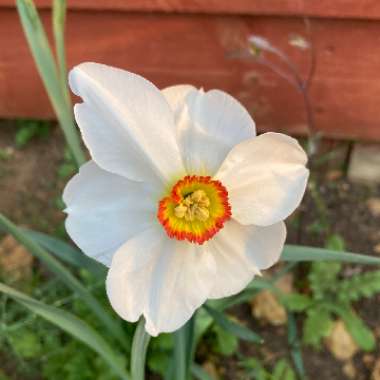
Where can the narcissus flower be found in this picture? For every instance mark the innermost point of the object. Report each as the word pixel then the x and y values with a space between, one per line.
pixel 181 200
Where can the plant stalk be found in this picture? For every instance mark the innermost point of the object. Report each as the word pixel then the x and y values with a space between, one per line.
pixel 139 349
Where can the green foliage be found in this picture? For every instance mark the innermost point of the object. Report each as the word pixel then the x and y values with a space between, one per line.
pixel 53 77
pixel 331 296
pixel 25 342
pixel 224 342
pixel 256 371
pixel 362 335
pixel 159 353
pixel 317 325
pixel 359 286
pixel 28 129
pixel 296 302
pixel 68 167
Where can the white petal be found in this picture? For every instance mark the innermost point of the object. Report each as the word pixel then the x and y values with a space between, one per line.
pixel 176 95
pixel 265 177
pixel 209 125
pixel 105 210
pixel 240 252
pixel 174 280
pixel 126 123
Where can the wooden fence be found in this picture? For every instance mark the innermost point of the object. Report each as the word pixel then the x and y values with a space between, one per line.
pixel 191 41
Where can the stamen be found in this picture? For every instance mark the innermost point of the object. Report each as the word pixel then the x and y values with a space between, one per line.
pixel 195 210
pixel 194 206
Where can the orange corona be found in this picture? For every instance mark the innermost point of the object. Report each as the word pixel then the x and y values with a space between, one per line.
pixel 195 210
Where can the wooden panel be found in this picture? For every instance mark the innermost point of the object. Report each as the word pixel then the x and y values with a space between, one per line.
pixel 366 9
pixel 170 49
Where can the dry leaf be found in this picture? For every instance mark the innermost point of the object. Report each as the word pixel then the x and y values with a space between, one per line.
pixel 368 360
pixel 211 370
pixel 15 261
pixel 376 371
pixel 374 206
pixel 266 307
pixel 376 248
pixel 340 342
pixel 349 370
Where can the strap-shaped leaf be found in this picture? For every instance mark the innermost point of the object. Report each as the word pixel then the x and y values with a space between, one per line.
pixel 71 324
pixel 234 328
pixel 67 253
pixel 303 253
pixel 44 59
pixel 65 275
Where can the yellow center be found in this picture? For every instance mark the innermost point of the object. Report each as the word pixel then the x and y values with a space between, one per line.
pixel 195 209
pixel 195 206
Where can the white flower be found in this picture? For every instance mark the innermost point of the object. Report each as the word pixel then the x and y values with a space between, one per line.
pixel 180 199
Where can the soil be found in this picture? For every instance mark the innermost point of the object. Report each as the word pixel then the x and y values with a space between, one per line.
pixel 30 186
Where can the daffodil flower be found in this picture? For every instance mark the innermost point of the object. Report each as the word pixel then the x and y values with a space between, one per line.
pixel 181 200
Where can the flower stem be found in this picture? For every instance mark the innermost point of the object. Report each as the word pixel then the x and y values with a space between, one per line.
pixel 184 350
pixel 139 348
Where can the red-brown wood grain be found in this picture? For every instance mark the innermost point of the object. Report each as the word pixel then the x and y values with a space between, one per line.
pixel 363 9
pixel 194 48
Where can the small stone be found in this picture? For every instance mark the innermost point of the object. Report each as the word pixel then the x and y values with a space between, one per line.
pixel 374 206
pixel 365 163
pixel 376 371
pixel 267 308
pixel 376 248
pixel 368 360
pixel 349 370
pixel 15 261
pixel 340 342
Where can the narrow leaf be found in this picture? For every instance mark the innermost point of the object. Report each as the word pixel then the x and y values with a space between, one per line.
pixel 55 266
pixel 361 334
pixel 67 253
pixel 234 328
pixel 199 373
pixel 44 59
pixel 303 253
pixel 71 324
pixel 59 17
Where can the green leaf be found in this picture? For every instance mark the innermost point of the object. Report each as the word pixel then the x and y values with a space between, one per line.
pixel 283 371
pixel 55 266
pixel 335 242
pixel 47 69
pixel 323 278
pixel 359 286
pixel 67 253
pixel 296 302
pixel 25 342
pixel 71 324
pixel 59 18
pixel 361 334
pixel 139 348
pixel 317 325
pixel 303 253
pixel 295 346
pixel 225 343
pixel 199 373
pixel 234 328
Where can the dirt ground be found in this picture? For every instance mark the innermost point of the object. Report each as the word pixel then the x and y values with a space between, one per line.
pixel 30 185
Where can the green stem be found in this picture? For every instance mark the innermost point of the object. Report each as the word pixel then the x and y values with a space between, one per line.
pixel 139 348
pixel 184 350
pixel 180 354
